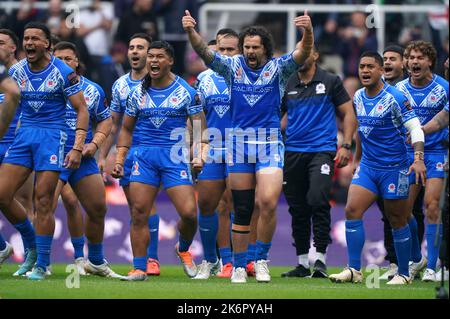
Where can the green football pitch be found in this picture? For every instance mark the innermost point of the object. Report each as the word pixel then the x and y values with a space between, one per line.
pixel 173 284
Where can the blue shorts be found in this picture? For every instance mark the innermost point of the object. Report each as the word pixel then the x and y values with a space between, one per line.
pixel 88 166
pixel 125 180
pixel 3 149
pixel 153 166
pixel 389 184
pixel 39 149
pixel 434 162
pixel 250 158
pixel 215 167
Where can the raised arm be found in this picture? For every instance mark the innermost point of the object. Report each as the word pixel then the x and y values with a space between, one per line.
pixel 196 39
pixel 304 47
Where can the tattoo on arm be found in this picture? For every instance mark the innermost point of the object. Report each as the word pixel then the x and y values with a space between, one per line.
pixel 442 119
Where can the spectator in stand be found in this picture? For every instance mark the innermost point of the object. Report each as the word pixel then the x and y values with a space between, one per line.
pixel 54 16
pixel 173 11
pixel 140 18
pixel 356 39
pixel 95 28
pixel 26 13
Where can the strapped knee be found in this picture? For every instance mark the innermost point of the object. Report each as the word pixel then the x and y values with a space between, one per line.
pixel 244 203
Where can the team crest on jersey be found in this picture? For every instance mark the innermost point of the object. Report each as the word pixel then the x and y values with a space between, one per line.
pixel 183 174
pixel 391 188
pixel 23 84
pixel 174 99
pixel 50 84
pixel 135 171
pixel 221 109
pixel 365 130
pixel 53 159
pixel 439 166
pixel 252 99
pixel 157 121
pixel 320 88
pixel 238 75
pixel 266 74
pixel 35 105
pixel 432 98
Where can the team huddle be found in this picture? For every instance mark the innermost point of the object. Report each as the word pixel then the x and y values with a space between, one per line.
pixel 214 148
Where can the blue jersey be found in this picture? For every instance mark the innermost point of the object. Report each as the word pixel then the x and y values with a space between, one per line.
pixel 380 128
pixel 161 113
pixel 44 93
pixel 255 94
pixel 121 91
pixel 97 107
pixel 427 102
pixel 214 93
pixel 8 138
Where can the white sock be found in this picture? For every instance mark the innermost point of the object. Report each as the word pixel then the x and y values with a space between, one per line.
pixel 303 260
pixel 321 257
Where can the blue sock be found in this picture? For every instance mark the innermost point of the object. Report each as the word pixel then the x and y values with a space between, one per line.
pixel 226 255
pixel 240 260
pixel 251 253
pixel 402 244
pixel 140 263
pixel 432 247
pixel 153 226
pixel 208 226
pixel 262 250
pixel 26 230
pixel 183 244
pixel 355 236
pixel 78 245
pixel 416 252
pixel 95 253
pixel 2 243
pixel 43 248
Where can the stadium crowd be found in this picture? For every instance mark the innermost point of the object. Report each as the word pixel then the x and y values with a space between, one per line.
pixel 110 95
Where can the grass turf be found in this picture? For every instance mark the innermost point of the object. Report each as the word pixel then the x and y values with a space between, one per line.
pixel 173 284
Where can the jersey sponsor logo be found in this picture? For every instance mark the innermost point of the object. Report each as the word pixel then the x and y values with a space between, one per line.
pixel 391 188
pixel 320 88
pixel 135 171
pixel 325 169
pixel 53 159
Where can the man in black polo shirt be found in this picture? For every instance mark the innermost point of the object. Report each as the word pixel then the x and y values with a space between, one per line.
pixel 312 99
